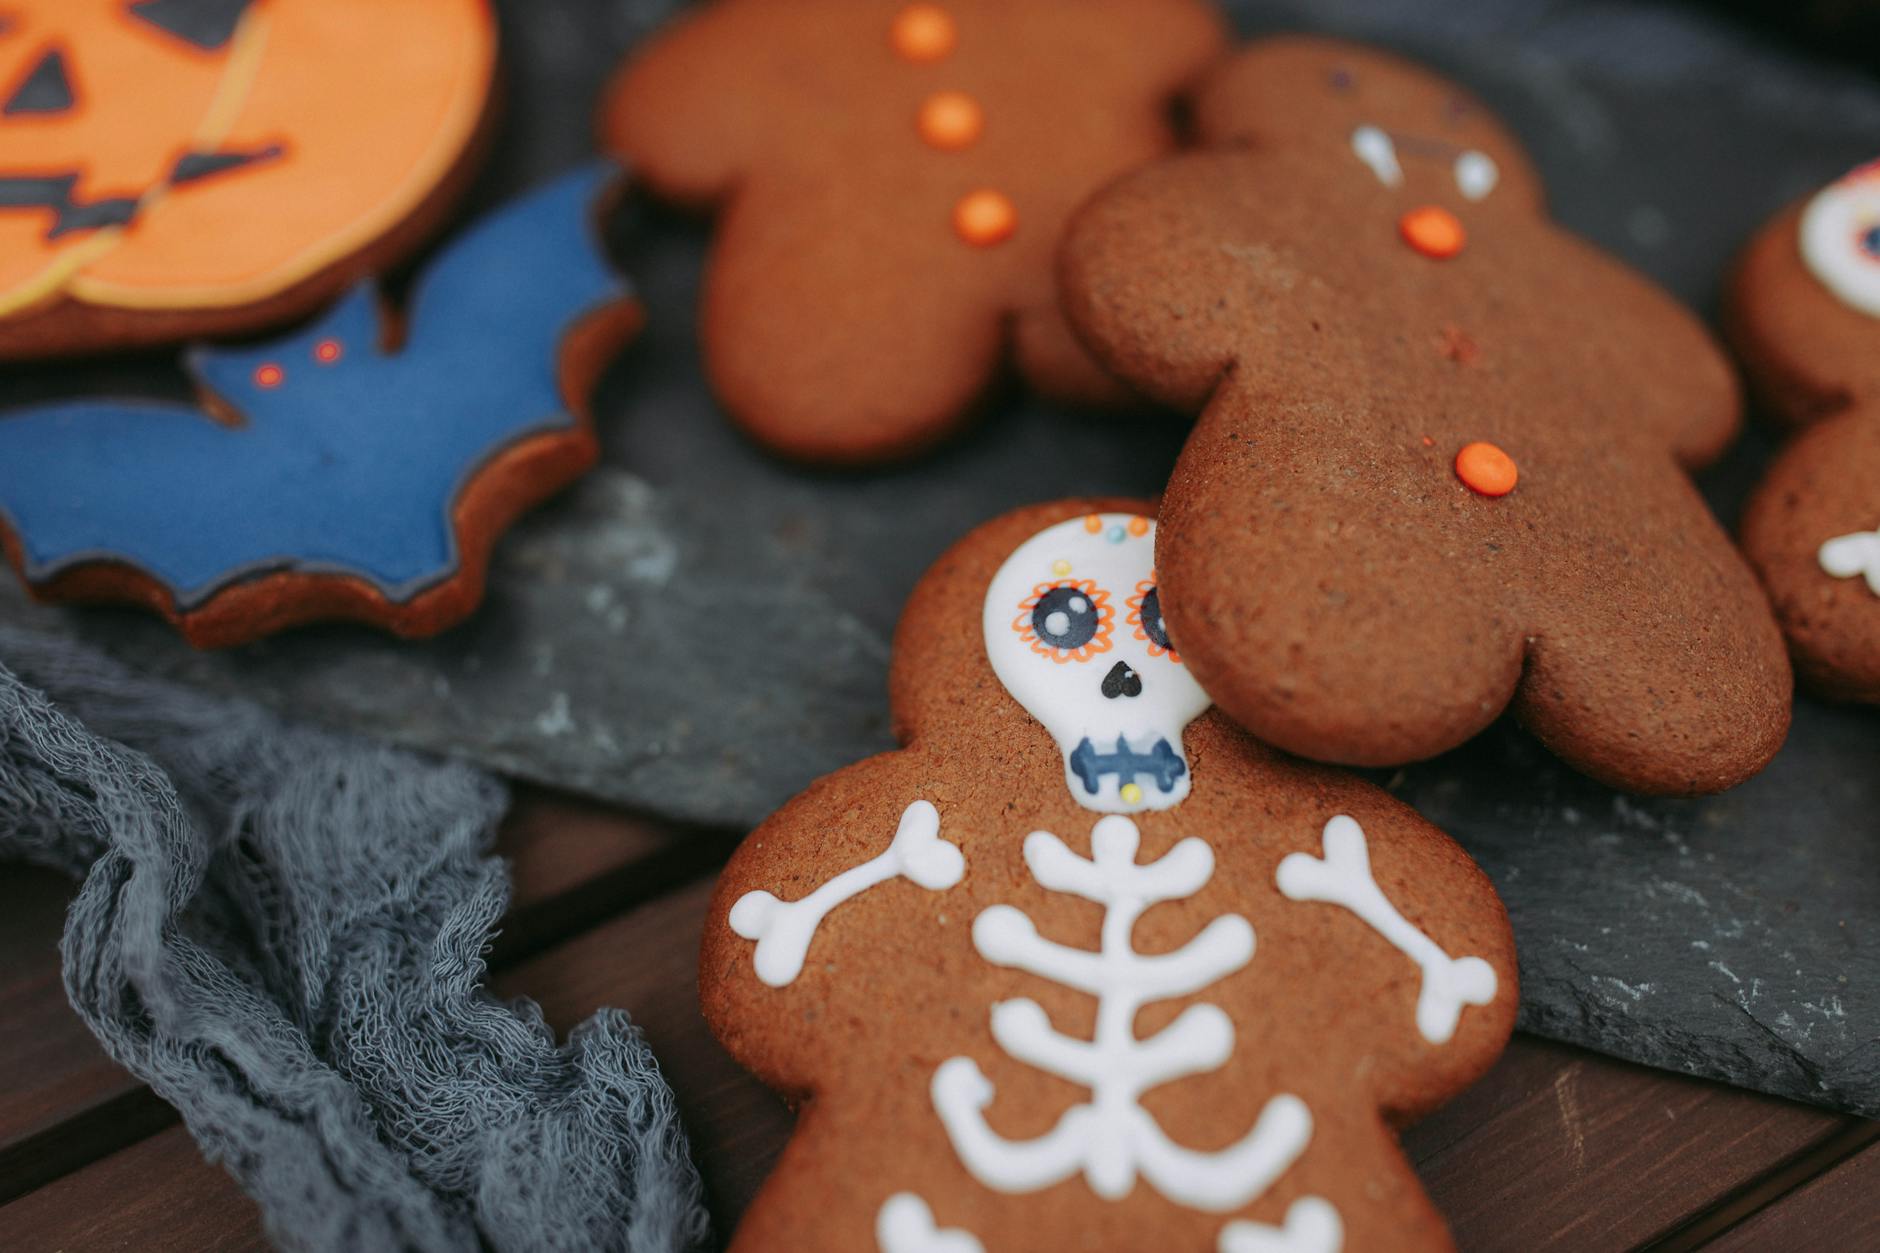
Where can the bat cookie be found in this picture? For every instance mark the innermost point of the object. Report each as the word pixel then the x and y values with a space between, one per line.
pixel 354 469
pixel 1083 966
pixel 171 169
pixel 1440 468
pixel 1804 314
pixel 890 180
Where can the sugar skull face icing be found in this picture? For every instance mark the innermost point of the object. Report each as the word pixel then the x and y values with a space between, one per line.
pixel 1840 237
pixel 1074 631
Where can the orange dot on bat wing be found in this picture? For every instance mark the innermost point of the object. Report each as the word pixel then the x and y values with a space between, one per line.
pixel 923 32
pixel 951 120
pixel 985 217
pixel 269 376
pixel 1486 469
pixel 327 351
pixel 1433 231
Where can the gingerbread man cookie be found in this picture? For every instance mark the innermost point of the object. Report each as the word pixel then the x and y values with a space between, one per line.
pixel 891 179
pixel 1441 464
pixel 179 168
pixel 1083 966
pixel 1804 313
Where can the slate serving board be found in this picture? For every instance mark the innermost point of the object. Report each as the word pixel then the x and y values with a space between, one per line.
pixel 698 631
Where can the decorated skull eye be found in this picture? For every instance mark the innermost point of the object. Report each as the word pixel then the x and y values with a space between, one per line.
pixel 1066 621
pixel 1145 614
pixel 1840 238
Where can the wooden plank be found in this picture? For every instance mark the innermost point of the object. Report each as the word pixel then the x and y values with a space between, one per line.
pixel 647 963
pixel 1836 1210
pixel 157 1196
pixel 63 1100
pixel 1562 1149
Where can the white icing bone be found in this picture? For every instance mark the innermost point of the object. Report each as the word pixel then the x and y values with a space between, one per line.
pixel 783 929
pixel 1848 556
pixel 905 1225
pixel 1312 1226
pixel 1343 877
pixel 1111 1138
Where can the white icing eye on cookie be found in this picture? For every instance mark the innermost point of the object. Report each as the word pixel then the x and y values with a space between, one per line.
pixel 1475 172
pixel 1840 238
pixel 1051 610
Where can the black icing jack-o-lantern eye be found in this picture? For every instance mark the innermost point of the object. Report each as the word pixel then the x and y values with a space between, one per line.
pixel 1145 614
pixel 1069 620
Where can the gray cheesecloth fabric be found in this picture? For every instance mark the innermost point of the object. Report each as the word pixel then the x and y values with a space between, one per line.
pixel 281 930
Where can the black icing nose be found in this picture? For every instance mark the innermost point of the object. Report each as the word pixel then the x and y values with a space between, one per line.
pixel 1122 681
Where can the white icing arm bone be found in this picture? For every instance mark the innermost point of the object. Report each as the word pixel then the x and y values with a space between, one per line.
pixel 1312 1226
pixel 783 929
pixel 1849 555
pixel 1343 877
pixel 905 1225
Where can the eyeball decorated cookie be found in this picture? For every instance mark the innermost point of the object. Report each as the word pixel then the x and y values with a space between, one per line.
pixel 1083 966
pixel 1440 470
pixel 889 180
pixel 179 168
pixel 1804 314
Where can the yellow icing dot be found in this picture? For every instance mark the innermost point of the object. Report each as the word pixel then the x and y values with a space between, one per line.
pixel 1060 567
pixel 1131 794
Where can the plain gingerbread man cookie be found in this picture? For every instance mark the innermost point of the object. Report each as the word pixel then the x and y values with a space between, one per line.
pixel 1804 313
pixel 1441 464
pixel 1083 966
pixel 890 181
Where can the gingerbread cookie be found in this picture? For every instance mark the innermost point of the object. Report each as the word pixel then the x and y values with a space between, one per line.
pixel 1441 463
pixel 891 179
pixel 180 168
pixel 329 475
pixel 1804 313
pixel 1083 966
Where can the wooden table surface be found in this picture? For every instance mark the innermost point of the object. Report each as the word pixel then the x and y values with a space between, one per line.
pixel 1557 1149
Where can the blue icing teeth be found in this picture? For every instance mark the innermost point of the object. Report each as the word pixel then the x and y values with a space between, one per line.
pixel 1162 764
pixel 340 457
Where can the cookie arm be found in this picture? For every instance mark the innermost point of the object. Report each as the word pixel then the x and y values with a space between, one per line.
pixel 683 112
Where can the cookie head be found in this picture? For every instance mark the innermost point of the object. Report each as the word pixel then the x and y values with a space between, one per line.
pixel 1074 630
pixel 1422 139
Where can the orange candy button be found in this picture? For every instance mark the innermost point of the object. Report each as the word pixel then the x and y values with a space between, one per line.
pixel 985 218
pixel 1486 469
pixel 1432 231
pixel 923 32
pixel 951 120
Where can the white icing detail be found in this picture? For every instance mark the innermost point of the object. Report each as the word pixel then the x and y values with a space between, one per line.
pixel 1476 174
pixel 783 929
pixel 1067 696
pixel 1832 229
pixel 1377 150
pixel 905 1225
pixel 1343 877
pixel 1848 556
pixel 1312 1226
pixel 1112 1139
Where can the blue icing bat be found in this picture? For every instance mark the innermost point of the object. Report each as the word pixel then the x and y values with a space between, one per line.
pixel 336 456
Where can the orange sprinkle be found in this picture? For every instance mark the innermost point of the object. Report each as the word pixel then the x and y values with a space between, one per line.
pixel 327 351
pixel 1433 231
pixel 923 32
pixel 1139 527
pixel 1486 469
pixel 1093 523
pixel 951 120
pixel 985 217
pixel 269 376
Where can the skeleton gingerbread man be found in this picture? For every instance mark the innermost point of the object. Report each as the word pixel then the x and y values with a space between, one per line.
pixel 1083 966
pixel 1804 312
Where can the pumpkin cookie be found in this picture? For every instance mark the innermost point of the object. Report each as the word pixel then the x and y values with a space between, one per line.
pixel 1440 469
pixel 890 180
pixel 171 169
